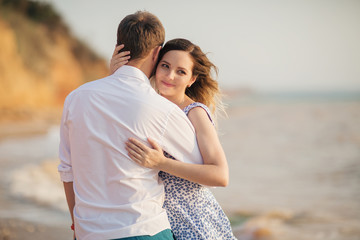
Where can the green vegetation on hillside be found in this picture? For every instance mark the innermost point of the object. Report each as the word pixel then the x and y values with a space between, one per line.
pixel 31 38
pixel 40 12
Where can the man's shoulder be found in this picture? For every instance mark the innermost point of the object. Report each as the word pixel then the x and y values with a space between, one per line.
pixel 94 85
pixel 173 112
pixel 161 102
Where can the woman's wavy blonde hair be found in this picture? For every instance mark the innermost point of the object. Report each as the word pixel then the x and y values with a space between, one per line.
pixel 205 89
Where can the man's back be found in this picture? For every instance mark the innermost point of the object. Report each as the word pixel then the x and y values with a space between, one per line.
pixel 114 196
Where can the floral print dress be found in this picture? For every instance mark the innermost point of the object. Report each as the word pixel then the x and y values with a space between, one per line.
pixel 192 209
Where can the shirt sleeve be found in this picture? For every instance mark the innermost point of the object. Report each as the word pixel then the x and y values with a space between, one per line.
pixel 179 138
pixel 65 167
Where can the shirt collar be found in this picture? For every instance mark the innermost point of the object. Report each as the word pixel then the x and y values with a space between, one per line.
pixel 132 72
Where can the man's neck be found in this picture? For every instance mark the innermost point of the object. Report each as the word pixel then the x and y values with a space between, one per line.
pixel 143 65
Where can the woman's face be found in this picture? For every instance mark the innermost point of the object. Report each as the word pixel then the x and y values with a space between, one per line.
pixel 174 73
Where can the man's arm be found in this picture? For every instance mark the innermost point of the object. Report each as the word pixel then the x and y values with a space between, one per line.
pixel 65 166
pixel 179 138
pixel 70 197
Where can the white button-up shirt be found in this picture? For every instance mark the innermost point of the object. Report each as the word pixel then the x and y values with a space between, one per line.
pixel 114 196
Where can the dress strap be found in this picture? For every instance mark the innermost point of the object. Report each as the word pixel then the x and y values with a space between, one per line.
pixel 198 104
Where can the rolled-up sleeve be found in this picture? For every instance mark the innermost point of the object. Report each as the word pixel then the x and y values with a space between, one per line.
pixel 65 166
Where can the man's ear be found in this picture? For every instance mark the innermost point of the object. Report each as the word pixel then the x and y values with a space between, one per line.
pixel 156 53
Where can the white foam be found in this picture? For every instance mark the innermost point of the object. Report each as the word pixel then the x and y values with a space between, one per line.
pixel 40 183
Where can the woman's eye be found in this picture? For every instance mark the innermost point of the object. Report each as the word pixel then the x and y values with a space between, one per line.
pixel 181 72
pixel 164 65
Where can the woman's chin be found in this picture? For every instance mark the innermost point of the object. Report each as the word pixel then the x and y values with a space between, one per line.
pixel 165 94
pixel 164 91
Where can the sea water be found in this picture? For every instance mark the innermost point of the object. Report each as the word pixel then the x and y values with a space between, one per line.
pixel 294 165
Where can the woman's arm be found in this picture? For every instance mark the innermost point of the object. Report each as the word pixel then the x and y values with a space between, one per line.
pixel 214 171
pixel 215 164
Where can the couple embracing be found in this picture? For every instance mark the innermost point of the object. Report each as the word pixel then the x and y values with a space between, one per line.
pixel 136 154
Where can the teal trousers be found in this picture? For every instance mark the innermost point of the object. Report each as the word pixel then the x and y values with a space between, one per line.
pixel 166 234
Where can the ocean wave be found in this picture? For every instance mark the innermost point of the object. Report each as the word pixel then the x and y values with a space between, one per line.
pixel 39 183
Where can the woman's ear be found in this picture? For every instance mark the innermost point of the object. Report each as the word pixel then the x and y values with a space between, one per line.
pixel 192 80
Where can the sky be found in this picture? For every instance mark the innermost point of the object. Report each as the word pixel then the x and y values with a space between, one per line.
pixel 268 45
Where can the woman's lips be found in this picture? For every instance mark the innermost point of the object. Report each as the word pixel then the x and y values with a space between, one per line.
pixel 167 84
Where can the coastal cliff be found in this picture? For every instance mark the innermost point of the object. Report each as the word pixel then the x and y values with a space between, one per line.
pixel 40 61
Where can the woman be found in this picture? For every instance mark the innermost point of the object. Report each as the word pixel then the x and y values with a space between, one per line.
pixel 183 76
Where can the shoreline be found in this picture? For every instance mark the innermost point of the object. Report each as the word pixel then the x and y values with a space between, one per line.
pixel 17 123
pixel 23 129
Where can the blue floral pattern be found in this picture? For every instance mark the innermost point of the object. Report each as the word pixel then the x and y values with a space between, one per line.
pixel 192 209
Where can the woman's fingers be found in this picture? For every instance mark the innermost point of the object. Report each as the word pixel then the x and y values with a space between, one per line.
pixel 121 57
pixel 139 144
pixel 122 61
pixel 123 54
pixel 144 155
pixel 134 148
pixel 117 54
pixel 135 157
pixel 117 49
pixel 133 154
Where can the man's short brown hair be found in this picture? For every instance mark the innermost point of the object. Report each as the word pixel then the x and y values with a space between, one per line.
pixel 140 32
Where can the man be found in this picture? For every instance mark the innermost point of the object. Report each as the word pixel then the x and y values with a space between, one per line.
pixel 109 195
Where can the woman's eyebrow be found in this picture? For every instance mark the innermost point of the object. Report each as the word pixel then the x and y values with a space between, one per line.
pixel 164 61
pixel 184 69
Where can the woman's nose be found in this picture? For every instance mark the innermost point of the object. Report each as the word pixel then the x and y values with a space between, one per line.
pixel 170 75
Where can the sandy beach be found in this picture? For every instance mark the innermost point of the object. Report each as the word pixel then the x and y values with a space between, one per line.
pixel 18 229
pixel 294 173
